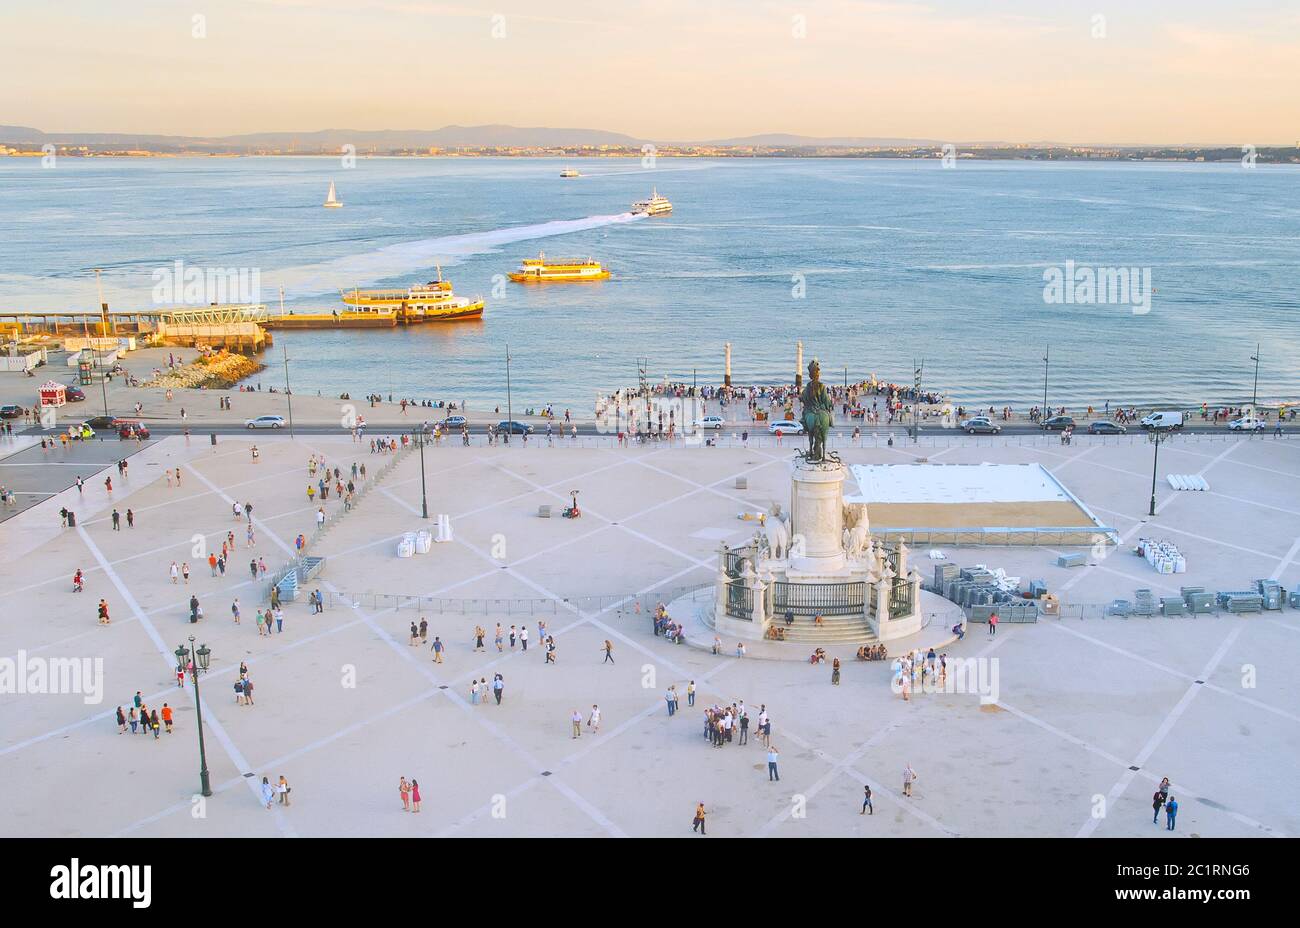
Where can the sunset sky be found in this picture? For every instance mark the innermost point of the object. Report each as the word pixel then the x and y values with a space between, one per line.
pixel 664 70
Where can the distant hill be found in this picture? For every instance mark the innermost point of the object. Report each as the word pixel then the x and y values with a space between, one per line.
pixel 446 137
pixel 785 140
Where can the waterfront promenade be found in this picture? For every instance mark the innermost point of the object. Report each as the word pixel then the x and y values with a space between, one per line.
pixel 345 706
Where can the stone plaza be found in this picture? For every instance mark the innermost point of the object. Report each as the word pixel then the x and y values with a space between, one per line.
pixel 1089 712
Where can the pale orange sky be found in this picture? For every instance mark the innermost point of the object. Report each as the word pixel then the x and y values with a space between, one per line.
pixel 663 70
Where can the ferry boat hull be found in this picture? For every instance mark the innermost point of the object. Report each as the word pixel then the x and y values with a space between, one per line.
pixel 524 278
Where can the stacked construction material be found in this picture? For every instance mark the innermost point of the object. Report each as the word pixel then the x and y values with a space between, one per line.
pixel 1241 601
pixel 1164 556
pixel 1144 602
pixel 1188 482
pixel 1272 593
pixel 1197 599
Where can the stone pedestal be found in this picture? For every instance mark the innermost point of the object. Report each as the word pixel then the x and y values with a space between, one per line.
pixel 817 519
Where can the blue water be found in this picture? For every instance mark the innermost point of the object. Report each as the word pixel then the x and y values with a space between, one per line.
pixel 899 259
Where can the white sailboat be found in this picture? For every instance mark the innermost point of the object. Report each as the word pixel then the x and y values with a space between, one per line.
pixel 332 201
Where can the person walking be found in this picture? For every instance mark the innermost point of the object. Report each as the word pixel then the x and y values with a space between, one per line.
pixel 993 625
pixel 130 519
pixel 523 636
pixel 415 795
pixel 772 756
pixel 835 672
pixel 909 777
pixel 593 722
pixel 668 695
pixel 121 721
pixel 167 717
pixel 415 635
pixel 499 638
pixel 424 629
pixel 744 727
pixel 175 572
pixel 575 719
pixel 609 652
pixel 514 634
pixel 690 693
pixel 866 801
pixel 234 610
pixel 404 790
pixel 284 790
pixel 479 634
pixel 239 691
pixel 279 620
pixel 698 823
pixel 154 724
pixel 498 687
pixel 248 692
pixel 1157 803
pixel 1171 812
pixel 268 792
pixel 117 521
pixel 437 649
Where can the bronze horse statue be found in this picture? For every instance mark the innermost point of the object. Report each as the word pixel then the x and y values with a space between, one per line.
pixel 818 409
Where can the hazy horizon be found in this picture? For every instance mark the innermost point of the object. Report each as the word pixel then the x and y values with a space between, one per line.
pixel 671 70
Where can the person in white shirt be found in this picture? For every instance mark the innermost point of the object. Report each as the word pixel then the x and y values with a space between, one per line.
pixel 594 721
pixel 523 636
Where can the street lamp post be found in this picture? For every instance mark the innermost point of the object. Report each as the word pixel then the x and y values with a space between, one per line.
pixel 1156 436
pixel 288 394
pixel 103 311
pixel 510 413
pixel 1254 393
pixel 1046 362
pixel 197 659
pixel 424 495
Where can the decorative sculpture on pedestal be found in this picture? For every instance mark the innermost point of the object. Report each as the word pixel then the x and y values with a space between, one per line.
pixel 818 410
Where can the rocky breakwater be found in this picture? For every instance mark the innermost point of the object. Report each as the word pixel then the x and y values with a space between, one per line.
pixel 218 370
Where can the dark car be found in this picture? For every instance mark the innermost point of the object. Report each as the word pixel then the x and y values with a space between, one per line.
pixel 1057 423
pixel 1105 427
pixel 74 394
pixel 105 422
pixel 514 428
pixel 138 430
pixel 10 412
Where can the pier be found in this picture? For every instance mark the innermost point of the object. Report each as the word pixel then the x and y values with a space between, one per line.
pixel 235 327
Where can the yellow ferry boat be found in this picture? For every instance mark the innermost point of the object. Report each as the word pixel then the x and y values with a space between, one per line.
pixel 541 270
pixel 431 302
pixel 364 309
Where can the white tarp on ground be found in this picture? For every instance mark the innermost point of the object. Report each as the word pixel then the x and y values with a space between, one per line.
pixel 955 483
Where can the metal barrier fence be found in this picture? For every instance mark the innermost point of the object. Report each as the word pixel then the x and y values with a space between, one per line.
pixel 897 439
pixel 1000 537
pixel 740 601
pixel 809 599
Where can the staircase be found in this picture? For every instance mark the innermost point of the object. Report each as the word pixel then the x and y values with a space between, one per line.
pixel 835 629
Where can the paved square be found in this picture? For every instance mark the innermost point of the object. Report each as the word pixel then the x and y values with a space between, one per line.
pixel 345 706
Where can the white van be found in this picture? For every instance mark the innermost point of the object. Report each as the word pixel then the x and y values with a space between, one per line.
pixel 1163 420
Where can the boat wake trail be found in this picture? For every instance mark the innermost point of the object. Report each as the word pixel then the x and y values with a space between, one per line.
pixel 406 257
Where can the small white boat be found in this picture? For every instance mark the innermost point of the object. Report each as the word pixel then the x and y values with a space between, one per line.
pixel 570 172
pixel 332 201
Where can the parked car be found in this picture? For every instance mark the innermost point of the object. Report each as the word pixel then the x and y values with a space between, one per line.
pixel 710 422
pixel 128 429
pixel 264 422
pixel 786 427
pixel 1162 420
pixel 514 427
pixel 1059 423
pixel 73 394
pixel 10 411
pixel 1246 423
pixel 453 422
pixel 1105 427
pixel 980 424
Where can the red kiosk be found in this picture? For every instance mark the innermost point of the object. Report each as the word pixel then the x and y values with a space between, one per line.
pixel 54 394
